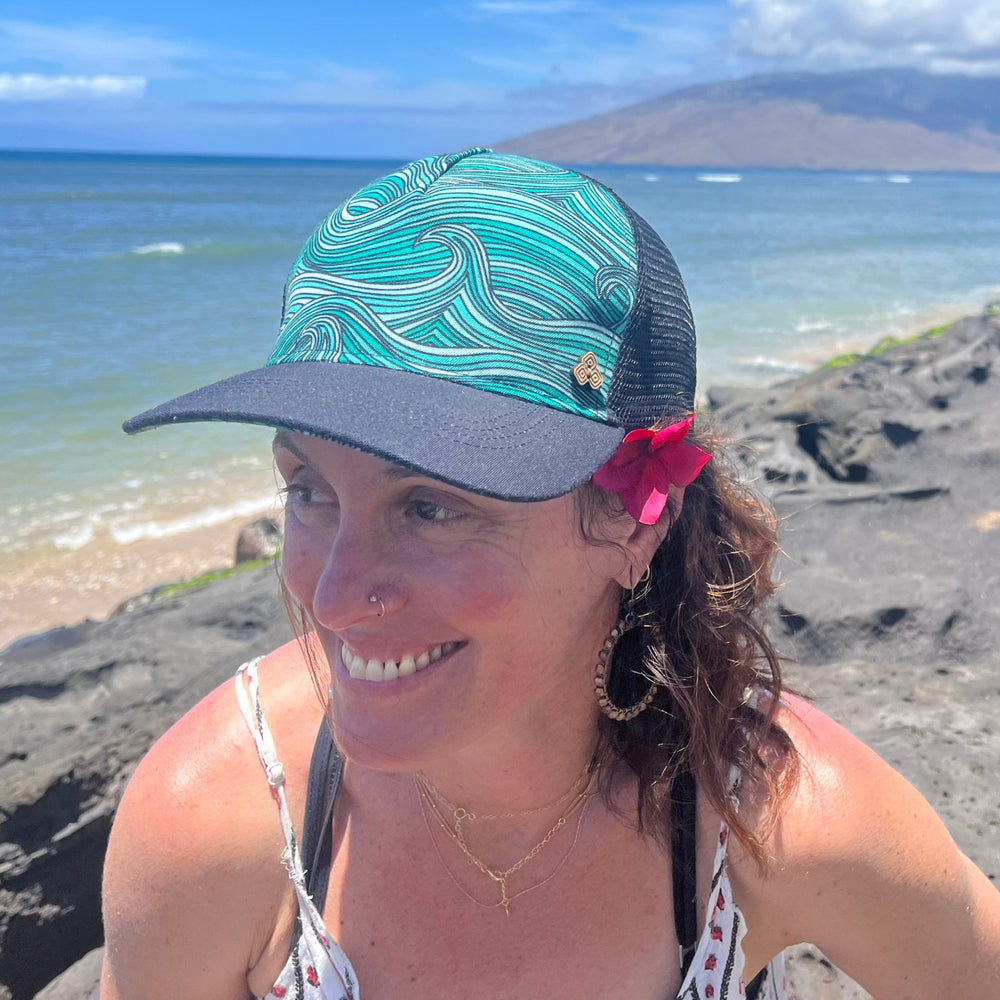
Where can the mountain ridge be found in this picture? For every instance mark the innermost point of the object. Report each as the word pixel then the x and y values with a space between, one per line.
pixel 881 119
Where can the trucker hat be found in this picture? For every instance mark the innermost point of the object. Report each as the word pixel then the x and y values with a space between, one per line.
pixel 486 319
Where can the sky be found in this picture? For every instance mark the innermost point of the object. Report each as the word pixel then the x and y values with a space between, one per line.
pixel 402 78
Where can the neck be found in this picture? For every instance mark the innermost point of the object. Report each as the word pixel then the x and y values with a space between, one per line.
pixel 513 777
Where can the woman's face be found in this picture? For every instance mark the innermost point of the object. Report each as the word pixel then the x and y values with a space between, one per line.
pixel 493 611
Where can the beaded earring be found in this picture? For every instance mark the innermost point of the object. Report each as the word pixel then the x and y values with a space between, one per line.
pixel 629 620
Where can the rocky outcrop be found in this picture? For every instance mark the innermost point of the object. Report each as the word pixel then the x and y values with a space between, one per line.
pixel 259 540
pixel 884 473
pixel 78 709
pixel 885 476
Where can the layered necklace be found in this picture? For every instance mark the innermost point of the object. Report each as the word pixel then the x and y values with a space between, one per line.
pixel 431 799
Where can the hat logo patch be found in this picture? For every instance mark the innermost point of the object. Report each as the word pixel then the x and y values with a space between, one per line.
pixel 586 372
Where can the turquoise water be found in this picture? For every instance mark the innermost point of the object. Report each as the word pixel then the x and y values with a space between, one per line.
pixel 125 280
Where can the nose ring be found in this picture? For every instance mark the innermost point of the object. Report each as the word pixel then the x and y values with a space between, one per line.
pixel 375 599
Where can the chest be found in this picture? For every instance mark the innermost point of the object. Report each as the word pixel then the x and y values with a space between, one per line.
pixel 600 926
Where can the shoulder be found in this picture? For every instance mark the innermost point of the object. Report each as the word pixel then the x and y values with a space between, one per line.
pixel 861 866
pixel 194 860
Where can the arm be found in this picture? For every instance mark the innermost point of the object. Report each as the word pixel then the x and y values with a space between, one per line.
pixel 864 869
pixel 195 896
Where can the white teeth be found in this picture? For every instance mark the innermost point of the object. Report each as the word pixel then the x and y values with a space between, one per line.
pixel 379 671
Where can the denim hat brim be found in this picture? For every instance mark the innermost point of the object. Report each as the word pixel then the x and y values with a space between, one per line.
pixel 485 442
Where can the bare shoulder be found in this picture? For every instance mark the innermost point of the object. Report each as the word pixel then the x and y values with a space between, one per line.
pixel 862 866
pixel 193 877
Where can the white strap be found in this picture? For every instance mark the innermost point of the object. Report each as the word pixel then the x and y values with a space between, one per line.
pixel 336 962
pixel 248 696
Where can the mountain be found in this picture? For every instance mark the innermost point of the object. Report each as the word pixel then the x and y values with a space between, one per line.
pixel 878 119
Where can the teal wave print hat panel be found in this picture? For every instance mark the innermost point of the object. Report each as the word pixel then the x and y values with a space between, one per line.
pixel 488 270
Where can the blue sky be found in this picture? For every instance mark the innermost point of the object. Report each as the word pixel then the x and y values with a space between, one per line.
pixel 399 78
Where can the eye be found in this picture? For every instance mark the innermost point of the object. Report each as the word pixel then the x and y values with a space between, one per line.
pixel 428 510
pixel 313 507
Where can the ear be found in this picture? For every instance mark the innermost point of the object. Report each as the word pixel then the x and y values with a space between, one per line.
pixel 645 539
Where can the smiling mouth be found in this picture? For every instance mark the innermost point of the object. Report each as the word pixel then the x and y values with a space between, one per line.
pixel 390 670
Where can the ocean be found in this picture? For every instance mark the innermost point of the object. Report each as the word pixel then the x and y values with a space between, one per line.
pixel 128 279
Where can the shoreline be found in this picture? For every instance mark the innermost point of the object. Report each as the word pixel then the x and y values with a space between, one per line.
pixel 52 588
pixel 68 587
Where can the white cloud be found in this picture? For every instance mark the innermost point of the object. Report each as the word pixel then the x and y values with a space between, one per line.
pixel 92 49
pixel 36 87
pixel 936 35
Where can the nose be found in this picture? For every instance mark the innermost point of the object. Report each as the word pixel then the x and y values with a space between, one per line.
pixel 357 582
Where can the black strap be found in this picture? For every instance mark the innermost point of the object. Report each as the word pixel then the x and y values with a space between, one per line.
pixel 683 801
pixel 325 770
pixel 754 988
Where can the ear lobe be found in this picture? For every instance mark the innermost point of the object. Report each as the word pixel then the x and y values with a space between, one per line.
pixel 645 539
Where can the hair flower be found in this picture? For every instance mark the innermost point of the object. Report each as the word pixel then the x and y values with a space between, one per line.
pixel 645 466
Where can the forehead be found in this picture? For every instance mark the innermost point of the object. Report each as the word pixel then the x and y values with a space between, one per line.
pixel 319 452
pixel 332 460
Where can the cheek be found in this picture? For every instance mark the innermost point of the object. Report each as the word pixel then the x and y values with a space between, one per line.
pixel 301 563
pixel 473 587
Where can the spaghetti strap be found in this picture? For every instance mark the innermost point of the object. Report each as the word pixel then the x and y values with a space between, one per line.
pixel 318 963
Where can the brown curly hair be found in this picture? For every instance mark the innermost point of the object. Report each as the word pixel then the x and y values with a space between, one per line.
pixel 702 642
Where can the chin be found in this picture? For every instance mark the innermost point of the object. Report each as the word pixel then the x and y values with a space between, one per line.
pixel 380 747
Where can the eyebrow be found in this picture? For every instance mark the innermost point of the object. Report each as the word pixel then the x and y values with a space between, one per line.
pixel 283 439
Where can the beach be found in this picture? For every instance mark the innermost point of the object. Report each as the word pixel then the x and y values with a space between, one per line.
pixel 883 474
pixel 51 587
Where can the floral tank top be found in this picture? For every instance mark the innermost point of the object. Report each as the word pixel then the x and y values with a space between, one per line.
pixel 318 969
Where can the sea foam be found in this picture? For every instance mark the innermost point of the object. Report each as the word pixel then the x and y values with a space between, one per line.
pixel 208 517
pixel 160 248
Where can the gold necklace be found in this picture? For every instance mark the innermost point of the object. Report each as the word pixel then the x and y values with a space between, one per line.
pixel 496 875
pixel 462 814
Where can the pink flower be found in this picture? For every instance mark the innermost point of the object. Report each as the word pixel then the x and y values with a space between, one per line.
pixel 645 466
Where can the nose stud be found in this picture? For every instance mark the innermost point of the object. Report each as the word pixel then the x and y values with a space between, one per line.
pixel 373 598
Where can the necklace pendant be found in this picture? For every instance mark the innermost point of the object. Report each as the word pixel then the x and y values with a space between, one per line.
pixel 504 898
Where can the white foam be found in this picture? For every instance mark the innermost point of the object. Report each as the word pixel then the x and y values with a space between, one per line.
pixel 76 538
pixel 651 177
pixel 720 178
pixel 124 534
pixel 160 248
pixel 898 178
pixel 761 361
pixel 811 326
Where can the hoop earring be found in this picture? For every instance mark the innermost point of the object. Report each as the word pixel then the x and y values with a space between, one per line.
pixel 626 623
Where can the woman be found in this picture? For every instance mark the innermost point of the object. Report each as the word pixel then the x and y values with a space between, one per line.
pixel 529 607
